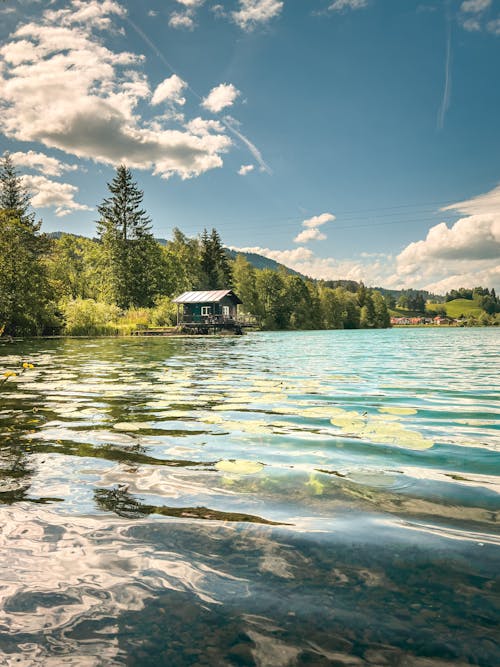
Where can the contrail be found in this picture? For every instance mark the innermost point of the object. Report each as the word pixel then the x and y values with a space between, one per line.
pixel 228 122
pixel 445 102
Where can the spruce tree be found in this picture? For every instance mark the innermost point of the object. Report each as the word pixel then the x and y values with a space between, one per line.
pixel 24 287
pixel 14 198
pixel 214 261
pixel 133 256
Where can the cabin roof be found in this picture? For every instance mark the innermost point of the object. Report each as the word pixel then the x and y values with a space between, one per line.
pixel 206 297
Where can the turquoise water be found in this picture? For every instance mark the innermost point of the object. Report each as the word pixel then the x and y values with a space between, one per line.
pixel 313 498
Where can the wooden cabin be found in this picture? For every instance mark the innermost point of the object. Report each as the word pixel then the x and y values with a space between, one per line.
pixel 211 308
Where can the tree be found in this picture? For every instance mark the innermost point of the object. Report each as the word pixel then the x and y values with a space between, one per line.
pixel 24 288
pixel 214 261
pixel 244 284
pixel 273 310
pixel 133 255
pixel 14 198
pixel 183 264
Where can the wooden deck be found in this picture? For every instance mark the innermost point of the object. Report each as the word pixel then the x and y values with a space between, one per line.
pixel 204 328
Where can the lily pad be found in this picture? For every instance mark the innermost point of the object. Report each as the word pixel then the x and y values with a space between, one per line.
pixel 396 410
pixel 239 466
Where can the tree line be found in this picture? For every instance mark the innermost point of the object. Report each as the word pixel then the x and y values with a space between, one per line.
pixel 124 278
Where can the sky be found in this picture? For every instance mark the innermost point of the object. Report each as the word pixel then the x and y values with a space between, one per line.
pixel 354 139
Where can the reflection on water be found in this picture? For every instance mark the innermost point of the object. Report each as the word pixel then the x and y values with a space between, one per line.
pixel 323 498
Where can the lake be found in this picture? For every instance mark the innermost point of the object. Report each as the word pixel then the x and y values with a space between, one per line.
pixel 309 498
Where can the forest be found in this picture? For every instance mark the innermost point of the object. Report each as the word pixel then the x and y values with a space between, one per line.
pixel 124 280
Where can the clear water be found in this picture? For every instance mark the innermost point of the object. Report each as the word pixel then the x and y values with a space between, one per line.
pixel 316 498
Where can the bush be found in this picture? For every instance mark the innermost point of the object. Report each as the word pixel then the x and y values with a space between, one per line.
pixel 164 314
pixel 86 317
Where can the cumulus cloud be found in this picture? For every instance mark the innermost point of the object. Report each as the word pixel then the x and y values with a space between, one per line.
pixel 493 26
pixel 473 238
pixel 306 262
pixel 221 97
pixel 181 20
pixel 186 18
pixel 318 220
pixel 256 12
pixel 463 254
pixel 245 169
pixel 311 234
pixel 343 5
pixel 311 231
pixel 50 166
pixel 475 6
pixel 170 90
pixel 466 253
pixel 61 87
pixel 47 193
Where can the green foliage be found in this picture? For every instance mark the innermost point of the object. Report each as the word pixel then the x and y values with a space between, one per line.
pixel 86 317
pixel 25 295
pixel 182 259
pixel 164 313
pixel 14 199
pixel 457 308
pixel 214 262
pixel 133 257
pixel 412 300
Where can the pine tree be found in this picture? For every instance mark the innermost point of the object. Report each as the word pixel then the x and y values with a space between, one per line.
pixel 133 255
pixel 14 198
pixel 214 261
pixel 24 287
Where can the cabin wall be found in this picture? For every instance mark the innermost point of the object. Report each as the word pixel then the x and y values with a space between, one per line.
pixel 192 311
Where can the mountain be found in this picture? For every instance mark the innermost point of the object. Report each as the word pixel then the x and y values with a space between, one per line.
pixel 261 262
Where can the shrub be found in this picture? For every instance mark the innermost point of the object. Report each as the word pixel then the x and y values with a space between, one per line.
pixel 86 317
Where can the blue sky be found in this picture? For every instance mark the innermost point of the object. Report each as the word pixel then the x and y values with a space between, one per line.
pixel 346 138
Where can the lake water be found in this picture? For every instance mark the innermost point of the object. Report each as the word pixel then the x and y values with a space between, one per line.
pixel 313 498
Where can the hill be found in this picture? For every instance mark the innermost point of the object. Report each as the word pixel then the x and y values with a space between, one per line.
pixel 457 307
pixel 261 262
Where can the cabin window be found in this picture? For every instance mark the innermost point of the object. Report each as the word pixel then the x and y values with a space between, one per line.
pixel 225 311
pixel 206 310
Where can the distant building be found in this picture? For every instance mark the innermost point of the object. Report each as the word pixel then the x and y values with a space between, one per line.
pixel 217 307
pixel 441 320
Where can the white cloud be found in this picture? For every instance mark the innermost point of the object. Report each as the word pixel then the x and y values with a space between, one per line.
pixel 463 254
pixel 485 204
pixel 311 234
pixel 471 25
pixel 62 88
pixel 93 13
pixel 342 5
pixel 493 26
pixel 181 20
pixel 476 237
pixel 475 6
pixel 191 4
pixel 254 12
pixel 318 220
pixel 47 193
pixel 220 97
pixel 185 19
pixel 306 262
pixel 484 277
pixel 170 90
pixel 50 166
pixel 467 253
pixel 245 169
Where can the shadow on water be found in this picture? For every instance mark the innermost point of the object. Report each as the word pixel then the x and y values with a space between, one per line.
pixel 124 504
